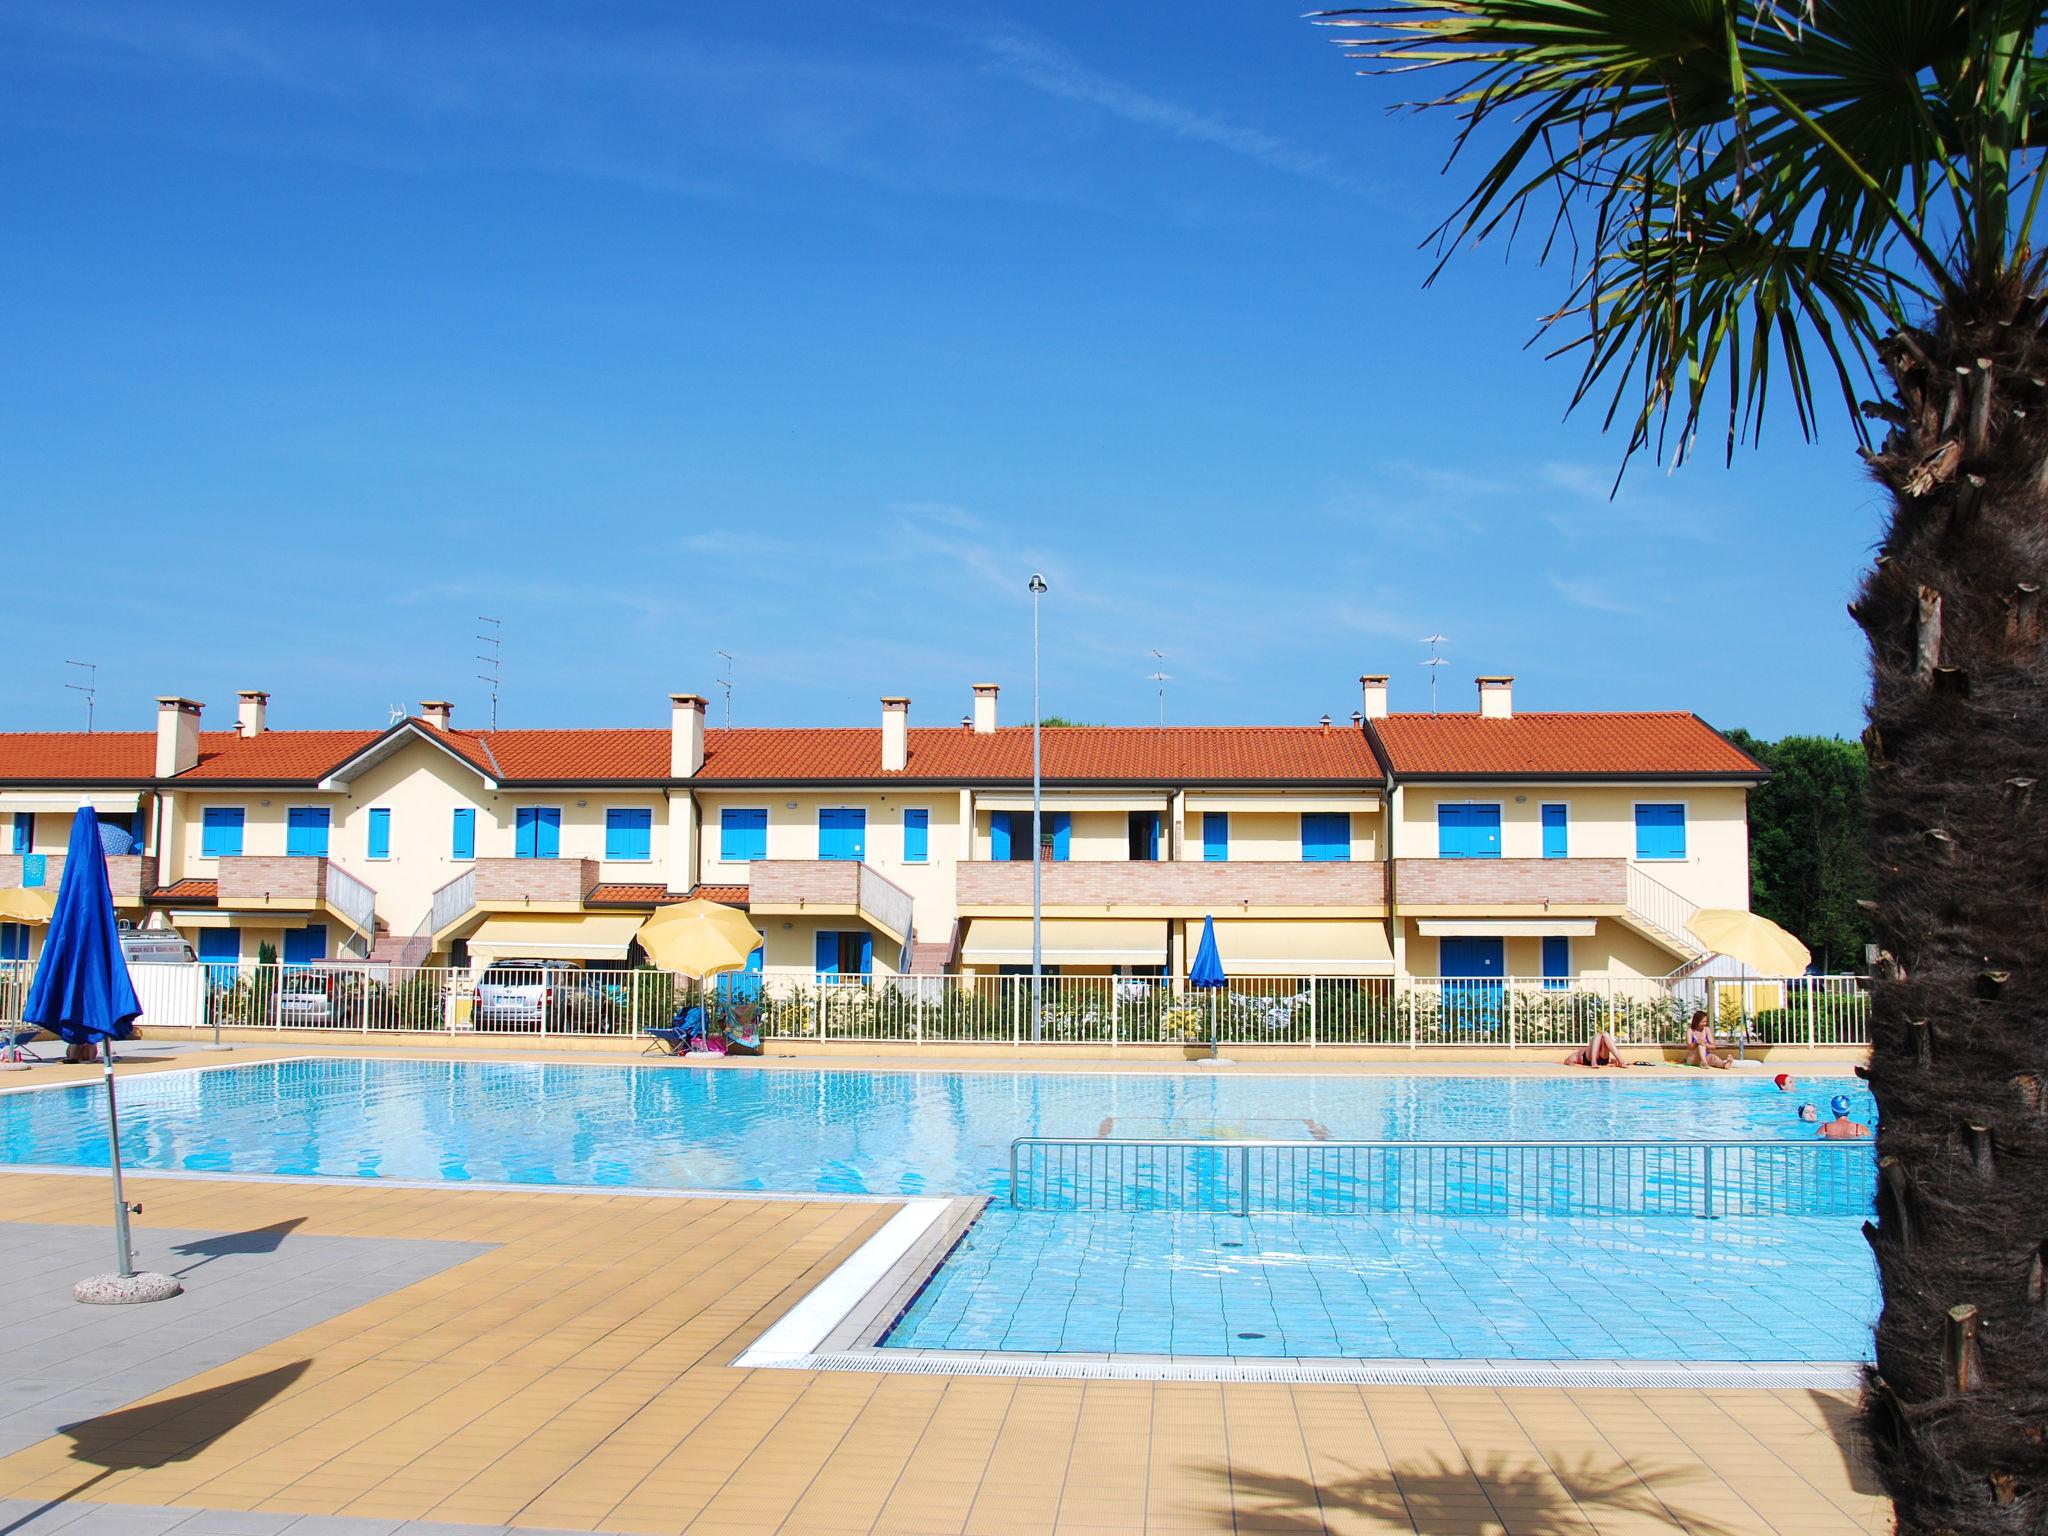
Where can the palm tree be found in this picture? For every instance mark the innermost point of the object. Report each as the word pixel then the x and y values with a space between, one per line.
pixel 1840 192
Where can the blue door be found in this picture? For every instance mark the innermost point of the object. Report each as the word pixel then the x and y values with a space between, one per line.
pixel 1472 969
pixel 220 949
pixel 13 941
pixel 1468 832
pixel 306 945
pixel 842 832
pixel 1556 833
pixel 537 832
pixel 305 831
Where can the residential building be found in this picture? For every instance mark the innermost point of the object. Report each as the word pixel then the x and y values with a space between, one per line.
pixel 1483 844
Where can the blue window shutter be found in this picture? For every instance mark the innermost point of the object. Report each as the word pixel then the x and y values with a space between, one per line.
pixel 305 833
pixel 1450 832
pixel 754 960
pixel 1556 834
pixel 1216 836
pixel 1152 836
pixel 1325 837
pixel 857 834
pixel 13 941
pixel 742 835
pixel 867 954
pixel 629 835
pixel 1557 962
pixel 462 843
pixel 221 949
pixel 828 952
pixel 380 833
pixel 548 832
pixel 1485 831
pixel 304 946
pixel 842 832
pixel 917 836
pixel 1000 832
pixel 1660 831
pixel 220 835
pixel 525 823
pixel 1062 836
pixel 24 831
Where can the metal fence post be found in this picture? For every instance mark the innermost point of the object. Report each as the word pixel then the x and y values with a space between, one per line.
pixel 818 1015
pixel 1707 1181
pixel 1244 1181
pixel 1114 989
pixel 1508 987
pixel 1315 1006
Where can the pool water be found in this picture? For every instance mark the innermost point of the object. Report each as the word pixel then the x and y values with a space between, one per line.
pixel 1785 1288
pixel 890 1133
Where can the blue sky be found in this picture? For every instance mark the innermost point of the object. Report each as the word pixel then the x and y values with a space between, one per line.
pixel 808 335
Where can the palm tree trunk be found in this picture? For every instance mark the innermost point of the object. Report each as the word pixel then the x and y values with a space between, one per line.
pixel 1957 1406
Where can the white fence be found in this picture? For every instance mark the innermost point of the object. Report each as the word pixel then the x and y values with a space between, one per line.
pixel 1304 1011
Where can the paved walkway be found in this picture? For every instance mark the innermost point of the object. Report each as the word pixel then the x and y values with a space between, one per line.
pixel 571 1373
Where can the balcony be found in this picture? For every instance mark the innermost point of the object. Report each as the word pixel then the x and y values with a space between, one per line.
pixel 297 883
pixel 131 875
pixel 829 887
pixel 1552 887
pixel 1176 889
pixel 534 885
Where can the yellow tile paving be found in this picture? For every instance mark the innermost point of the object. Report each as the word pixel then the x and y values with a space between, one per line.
pixel 576 1376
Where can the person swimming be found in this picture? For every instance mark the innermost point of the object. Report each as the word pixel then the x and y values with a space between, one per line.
pixel 1786 1082
pixel 1809 1114
pixel 1842 1128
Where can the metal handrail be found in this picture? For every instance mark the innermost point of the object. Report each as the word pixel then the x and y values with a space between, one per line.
pixel 1705 1178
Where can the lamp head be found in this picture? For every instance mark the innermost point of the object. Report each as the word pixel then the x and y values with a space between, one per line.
pixel 1037 584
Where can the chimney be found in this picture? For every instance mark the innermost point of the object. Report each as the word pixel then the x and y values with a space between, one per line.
pixel 249 713
pixel 436 712
pixel 177 736
pixel 1496 697
pixel 895 735
pixel 1326 723
pixel 1375 686
pixel 985 708
pixel 685 734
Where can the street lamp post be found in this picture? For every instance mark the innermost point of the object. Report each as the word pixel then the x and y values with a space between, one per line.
pixel 1037 834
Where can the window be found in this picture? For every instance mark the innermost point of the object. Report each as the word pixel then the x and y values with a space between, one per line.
pixel 13 941
pixel 1144 837
pixel 1009 836
pixel 305 831
pixel 917 837
pixel 537 832
pixel 845 953
pixel 842 832
pixel 1325 837
pixel 462 835
pixel 306 945
pixel 1556 835
pixel 220 832
pixel 220 951
pixel 1557 962
pixel 380 833
pixel 629 835
pixel 1216 836
pixel 24 831
pixel 742 835
pixel 1660 831
pixel 1468 831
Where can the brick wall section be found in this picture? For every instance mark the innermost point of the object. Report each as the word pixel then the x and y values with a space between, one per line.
pixel 1193 885
pixel 1511 882
pixel 129 874
pixel 253 877
pixel 524 880
pixel 805 882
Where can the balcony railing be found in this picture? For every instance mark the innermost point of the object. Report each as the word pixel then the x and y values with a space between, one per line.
pixel 827 884
pixel 525 882
pixel 1184 886
pixel 1511 882
pixel 130 875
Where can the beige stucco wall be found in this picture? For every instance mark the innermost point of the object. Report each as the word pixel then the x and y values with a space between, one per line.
pixel 1275 836
pixel 1600 822
pixel 1612 950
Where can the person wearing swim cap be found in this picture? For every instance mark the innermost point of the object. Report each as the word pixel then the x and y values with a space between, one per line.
pixel 1785 1082
pixel 1842 1128
pixel 1809 1114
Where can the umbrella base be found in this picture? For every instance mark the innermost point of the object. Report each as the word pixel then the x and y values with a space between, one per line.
pixel 118 1290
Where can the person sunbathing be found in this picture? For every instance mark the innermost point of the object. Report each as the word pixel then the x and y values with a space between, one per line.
pixel 1699 1043
pixel 1600 1051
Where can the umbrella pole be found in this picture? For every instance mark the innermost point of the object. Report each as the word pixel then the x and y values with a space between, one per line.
pixel 124 1256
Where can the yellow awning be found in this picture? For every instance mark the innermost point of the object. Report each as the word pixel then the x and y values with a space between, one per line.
pixel 555 936
pixel 994 941
pixel 1301 947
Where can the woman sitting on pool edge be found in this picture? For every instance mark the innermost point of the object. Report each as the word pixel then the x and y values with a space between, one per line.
pixel 1600 1051
pixel 1699 1043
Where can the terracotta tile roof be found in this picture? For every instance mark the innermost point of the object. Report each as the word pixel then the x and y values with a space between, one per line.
pixel 289 757
pixel 631 894
pixel 1527 745
pixel 187 890
pixel 730 895
pixel 57 757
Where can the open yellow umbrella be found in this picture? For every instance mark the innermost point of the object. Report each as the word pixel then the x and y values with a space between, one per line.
pixel 699 938
pixel 1756 941
pixel 19 904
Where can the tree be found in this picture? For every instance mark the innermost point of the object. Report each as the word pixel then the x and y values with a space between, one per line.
pixel 1809 854
pixel 1751 193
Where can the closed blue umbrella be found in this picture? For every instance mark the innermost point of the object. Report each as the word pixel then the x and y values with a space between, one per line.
pixel 1207 974
pixel 83 994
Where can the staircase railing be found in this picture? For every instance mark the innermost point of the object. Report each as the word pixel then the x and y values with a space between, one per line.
pixel 352 899
pixel 1653 902
pixel 451 901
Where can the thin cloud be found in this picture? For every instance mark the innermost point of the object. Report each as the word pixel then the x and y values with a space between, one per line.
pixel 1587 594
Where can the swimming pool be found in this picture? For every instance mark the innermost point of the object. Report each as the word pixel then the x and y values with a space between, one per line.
pixel 1399 1284
pixel 840 1132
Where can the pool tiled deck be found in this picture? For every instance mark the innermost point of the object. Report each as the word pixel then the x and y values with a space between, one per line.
pixel 574 1375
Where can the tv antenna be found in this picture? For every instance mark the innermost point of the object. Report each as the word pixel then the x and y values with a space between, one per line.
pixel 495 641
pixel 725 682
pixel 90 687
pixel 395 713
pixel 1433 661
pixel 1162 678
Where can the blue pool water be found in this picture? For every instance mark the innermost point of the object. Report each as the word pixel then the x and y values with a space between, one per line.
pixel 839 1132
pixel 1386 1285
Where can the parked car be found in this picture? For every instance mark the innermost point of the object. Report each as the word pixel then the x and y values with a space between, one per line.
pixel 537 994
pixel 155 946
pixel 318 994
